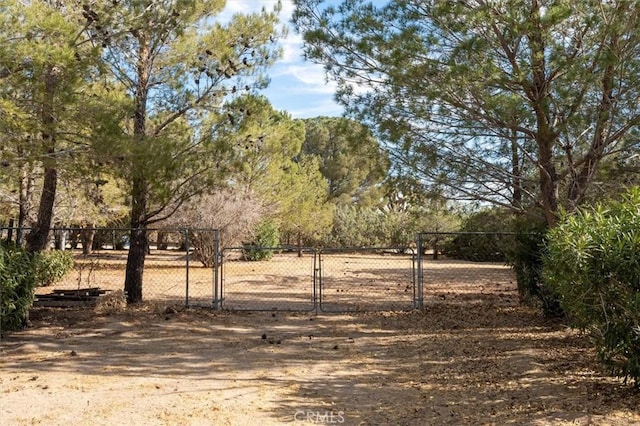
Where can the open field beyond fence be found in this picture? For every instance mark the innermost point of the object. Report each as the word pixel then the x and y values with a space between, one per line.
pixel 333 281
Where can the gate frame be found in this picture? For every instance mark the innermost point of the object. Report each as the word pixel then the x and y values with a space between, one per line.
pixel 420 243
pixel 219 295
pixel 413 281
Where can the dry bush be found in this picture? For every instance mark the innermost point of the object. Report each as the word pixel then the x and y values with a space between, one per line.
pixel 111 303
pixel 234 215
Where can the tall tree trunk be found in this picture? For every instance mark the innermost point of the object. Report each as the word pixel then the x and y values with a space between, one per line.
pixel 135 264
pixel 162 243
pixel 10 230
pixel 61 239
pixel 538 94
pixel 138 241
pixel 24 203
pixel 139 188
pixel 87 236
pixel 39 235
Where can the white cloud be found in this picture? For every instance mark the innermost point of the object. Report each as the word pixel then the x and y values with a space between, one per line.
pixel 296 86
pixel 247 6
pixel 291 47
pixel 306 73
pixel 233 7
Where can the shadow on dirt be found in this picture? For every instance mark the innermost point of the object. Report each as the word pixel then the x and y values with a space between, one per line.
pixel 471 357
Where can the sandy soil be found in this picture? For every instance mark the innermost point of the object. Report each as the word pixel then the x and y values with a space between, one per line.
pixel 473 356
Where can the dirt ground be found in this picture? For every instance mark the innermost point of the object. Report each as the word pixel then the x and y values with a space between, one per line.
pixel 472 356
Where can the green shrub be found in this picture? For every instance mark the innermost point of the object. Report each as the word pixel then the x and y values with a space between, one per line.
pixel 354 226
pixel 17 284
pixel 525 257
pixel 485 242
pixel 593 263
pixel 267 237
pixel 52 266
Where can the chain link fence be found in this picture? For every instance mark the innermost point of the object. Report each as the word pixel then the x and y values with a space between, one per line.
pixel 179 266
pixel 187 266
pixel 283 279
pixel 467 264
pixel 367 279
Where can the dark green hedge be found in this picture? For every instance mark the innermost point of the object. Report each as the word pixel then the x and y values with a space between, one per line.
pixel 20 273
pixel 17 283
pixel 593 264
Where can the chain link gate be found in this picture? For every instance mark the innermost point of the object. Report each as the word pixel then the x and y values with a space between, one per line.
pixel 468 262
pixel 328 280
pixel 339 279
pixel 276 279
pixel 189 266
pixel 367 279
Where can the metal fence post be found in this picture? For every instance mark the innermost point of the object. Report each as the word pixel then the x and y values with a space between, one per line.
pixel 320 271
pixel 216 264
pixel 186 238
pixel 420 294
pixel 316 280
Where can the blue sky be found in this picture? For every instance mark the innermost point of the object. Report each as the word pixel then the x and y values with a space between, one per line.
pixel 297 86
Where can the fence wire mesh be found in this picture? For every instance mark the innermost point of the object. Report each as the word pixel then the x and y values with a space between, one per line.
pixel 366 279
pixel 187 266
pixel 283 280
pixel 175 270
pixel 464 264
